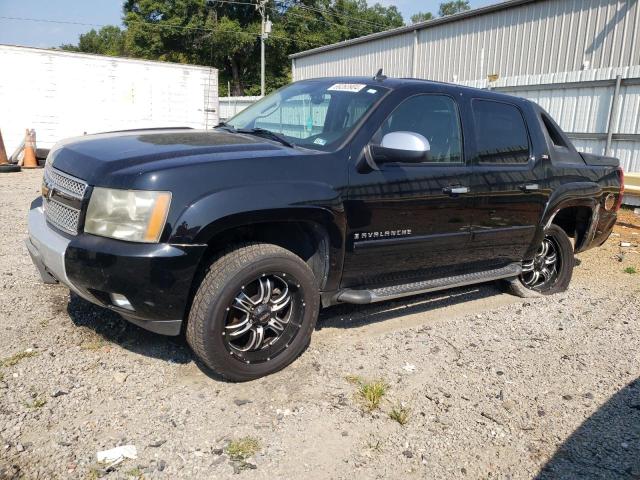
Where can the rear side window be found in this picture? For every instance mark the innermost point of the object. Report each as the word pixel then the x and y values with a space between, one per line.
pixel 553 132
pixel 501 134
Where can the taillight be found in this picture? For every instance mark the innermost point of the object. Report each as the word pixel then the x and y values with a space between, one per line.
pixel 621 194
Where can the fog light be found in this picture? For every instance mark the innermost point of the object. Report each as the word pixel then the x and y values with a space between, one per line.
pixel 121 301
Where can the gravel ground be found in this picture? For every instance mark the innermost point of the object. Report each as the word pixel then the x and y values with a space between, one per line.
pixel 488 385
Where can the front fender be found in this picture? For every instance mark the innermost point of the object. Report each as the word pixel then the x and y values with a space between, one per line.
pixel 310 202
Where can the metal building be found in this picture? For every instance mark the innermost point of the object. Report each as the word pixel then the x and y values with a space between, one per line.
pixel 579 59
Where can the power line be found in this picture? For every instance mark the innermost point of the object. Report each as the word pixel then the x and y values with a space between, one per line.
pixel 329 12
pixel 158 25
pixel 318 20
pixel 304 7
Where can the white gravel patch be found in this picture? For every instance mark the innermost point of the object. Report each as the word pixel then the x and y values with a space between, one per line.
pixel 495 386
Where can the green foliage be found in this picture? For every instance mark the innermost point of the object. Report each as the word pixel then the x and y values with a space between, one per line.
pixel 35 404
pixel 17 358
pixel 630 270
pixel 227 35
pixel 369 393
pixel 450 8
pixel 243 448
pixel 400 414
pixel 108 40
pixel 421 17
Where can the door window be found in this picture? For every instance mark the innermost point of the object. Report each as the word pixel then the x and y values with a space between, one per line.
pixel 436 118
pixel 501 134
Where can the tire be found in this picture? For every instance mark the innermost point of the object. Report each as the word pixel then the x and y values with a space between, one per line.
pixel 9 168
pixel 522 286
pixel 223 308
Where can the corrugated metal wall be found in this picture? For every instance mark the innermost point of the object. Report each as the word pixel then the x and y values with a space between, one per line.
pixel 392 53
pixel 540 37
pixel 581 103
pixel 229 106
pixel 549 51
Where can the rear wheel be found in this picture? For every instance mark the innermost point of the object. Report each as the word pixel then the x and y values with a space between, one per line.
pixel 254 312
pixel 550 270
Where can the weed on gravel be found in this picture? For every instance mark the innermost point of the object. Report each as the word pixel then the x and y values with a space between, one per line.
pixel 243 448
pixel 37 403
pixel 94 345
pixel 400 414
pixel 135 473
pixel 17 358
pixel 369 393
pixel 630 270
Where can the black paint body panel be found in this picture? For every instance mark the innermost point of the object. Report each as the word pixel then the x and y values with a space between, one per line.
pixel 156 278
pixel 220 181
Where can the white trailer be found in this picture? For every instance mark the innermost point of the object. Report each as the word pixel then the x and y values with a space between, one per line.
pixel 64 94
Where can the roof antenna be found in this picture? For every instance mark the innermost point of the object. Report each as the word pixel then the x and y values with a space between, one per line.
pixel 379 76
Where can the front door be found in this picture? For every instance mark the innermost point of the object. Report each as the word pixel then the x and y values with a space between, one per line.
pixel 411 221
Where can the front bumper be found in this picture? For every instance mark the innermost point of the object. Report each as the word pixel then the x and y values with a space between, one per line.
pixel 156 279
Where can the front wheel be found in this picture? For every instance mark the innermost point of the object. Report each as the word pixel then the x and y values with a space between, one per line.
pixel 551 269
pixel 254 312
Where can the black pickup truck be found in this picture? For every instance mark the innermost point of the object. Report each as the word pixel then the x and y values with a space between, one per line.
pixel 336 190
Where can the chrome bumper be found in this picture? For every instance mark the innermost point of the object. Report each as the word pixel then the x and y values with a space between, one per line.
pixel 47 249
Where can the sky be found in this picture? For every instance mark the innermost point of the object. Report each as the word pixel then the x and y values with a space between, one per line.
pixel 109 12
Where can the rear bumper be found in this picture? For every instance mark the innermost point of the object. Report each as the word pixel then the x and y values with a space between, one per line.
pixel 156 279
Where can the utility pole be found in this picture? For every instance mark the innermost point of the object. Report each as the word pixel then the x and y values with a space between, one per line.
pixel 264 34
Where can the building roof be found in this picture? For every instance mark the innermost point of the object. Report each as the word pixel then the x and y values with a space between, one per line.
pixel 417 26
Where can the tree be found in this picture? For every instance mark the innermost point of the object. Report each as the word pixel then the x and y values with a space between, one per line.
pixel 226 35
pixel 108 40
pixel 450 8
pixel 421 17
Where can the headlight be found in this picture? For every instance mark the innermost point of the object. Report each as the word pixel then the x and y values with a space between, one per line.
pixel 133 215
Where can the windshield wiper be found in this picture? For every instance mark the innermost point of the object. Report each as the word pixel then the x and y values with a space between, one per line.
pixel 263 132
pixel 226 126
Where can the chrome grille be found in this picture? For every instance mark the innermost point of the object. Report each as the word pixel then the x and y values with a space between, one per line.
pixel 61 216
pixel 58 214
pixel 65 183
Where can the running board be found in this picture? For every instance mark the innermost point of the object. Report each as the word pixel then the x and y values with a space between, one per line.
pixel 397 291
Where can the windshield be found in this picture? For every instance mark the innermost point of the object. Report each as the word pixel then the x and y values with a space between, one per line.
pixel 316 114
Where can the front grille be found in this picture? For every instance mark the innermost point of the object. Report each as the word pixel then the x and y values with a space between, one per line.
pixel 63 215
pixel 64 182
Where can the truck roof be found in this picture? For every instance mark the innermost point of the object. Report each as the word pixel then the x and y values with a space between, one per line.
pixel 394 83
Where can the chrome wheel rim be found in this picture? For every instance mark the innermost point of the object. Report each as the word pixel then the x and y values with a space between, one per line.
pixel 542 271
pixel 263 317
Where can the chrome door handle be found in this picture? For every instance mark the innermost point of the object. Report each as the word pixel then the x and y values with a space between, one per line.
pixel 458 190
pixel 529 187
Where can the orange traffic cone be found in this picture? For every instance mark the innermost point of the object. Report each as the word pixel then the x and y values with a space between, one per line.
pixel 3 153
pixel 29 160
pixel 5 166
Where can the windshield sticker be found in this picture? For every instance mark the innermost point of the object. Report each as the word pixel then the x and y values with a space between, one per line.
pixel 320 141
pixel 372 90
pixel 347 87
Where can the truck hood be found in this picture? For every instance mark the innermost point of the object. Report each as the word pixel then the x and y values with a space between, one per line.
pixel 135 152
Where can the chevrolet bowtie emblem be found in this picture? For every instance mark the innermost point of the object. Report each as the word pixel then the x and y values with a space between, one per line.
pixel 47 192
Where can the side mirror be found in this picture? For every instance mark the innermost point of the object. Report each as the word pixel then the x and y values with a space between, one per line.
pixel 401 147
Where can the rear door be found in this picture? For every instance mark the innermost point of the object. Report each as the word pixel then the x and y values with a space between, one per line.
pixel 506 184
pixel 404 220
